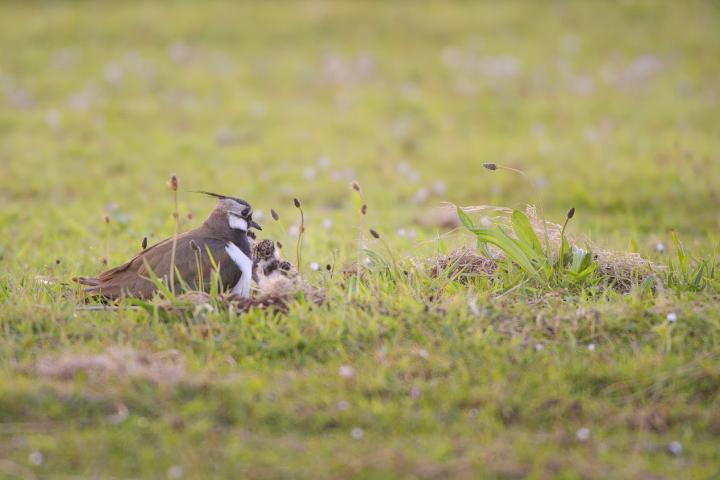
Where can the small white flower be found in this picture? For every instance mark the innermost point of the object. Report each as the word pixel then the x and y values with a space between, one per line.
pixel 439 187
pixel 347 371
pixel 175 471
pixel 52 118
pixel 314 266
pixel 114 73
pixel 423 354
pixel 343 405
pixel 421 195
pixel 294 230
pixel 323 163
pixel 401 232
pixel 258 109
pixel 403 167
pixel 540 182
pixel 36 458
pixel 583 434
pixel 660 247
pixel 310 173
pixel 591 347
pixel 675 447
pixel 538 347
pixel 672 317
pixel 327 224
pixel 357 433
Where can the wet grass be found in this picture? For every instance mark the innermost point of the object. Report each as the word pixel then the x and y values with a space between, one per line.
pixel 401 373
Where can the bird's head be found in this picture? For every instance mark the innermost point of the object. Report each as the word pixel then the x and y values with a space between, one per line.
pixel 238 211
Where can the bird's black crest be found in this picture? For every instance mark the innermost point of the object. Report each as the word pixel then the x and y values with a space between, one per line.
pixel 223 197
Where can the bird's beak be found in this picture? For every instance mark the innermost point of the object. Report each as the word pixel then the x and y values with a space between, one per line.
pixel 252 224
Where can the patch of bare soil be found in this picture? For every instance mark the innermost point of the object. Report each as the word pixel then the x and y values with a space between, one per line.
pixel 166 368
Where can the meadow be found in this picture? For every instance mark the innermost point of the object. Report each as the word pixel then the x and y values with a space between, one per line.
pixel 410 368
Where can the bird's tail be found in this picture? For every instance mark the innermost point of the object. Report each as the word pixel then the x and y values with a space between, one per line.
pixel 89 281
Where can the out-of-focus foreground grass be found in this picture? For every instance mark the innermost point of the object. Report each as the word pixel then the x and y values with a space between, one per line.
pixel 610 108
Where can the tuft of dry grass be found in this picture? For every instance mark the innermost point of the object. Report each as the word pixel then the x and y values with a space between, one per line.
pixel 463 263
pixel 625 269
pixel 276 293
pixel 353 269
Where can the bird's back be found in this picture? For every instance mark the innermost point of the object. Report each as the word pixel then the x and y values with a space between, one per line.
pixel 196 248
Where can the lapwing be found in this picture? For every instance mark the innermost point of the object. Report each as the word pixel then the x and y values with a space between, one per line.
pixel 224 241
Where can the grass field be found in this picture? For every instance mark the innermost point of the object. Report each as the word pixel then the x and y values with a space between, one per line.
pixel 609 108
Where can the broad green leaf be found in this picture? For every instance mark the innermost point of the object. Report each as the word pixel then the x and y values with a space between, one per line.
pixel 495 236
pixel 465 219
pixel 525 233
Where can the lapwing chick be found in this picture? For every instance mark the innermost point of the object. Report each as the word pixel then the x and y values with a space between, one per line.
pixel 286 268
pixel 265 257
pixel 222 240
pixel 269 263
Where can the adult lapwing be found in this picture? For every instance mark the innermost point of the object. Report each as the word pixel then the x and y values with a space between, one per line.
pixel 222 241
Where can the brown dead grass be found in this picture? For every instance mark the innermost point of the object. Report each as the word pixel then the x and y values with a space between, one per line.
pixel 115 363
pixel 461 264
pixel 625 269
pixel 277 292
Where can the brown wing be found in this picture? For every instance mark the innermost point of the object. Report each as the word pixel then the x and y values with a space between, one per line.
pixel 132 278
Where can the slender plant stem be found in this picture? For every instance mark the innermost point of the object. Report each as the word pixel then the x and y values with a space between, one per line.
pixel 299 240
pixel 198 265
pixel 361 236
pixel 176 218
pixel 561 251
pixel 107 240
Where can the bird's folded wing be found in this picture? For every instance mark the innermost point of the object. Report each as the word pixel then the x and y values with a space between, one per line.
pixel 133 278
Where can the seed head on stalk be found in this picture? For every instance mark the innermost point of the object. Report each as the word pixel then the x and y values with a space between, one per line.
pixel 172 184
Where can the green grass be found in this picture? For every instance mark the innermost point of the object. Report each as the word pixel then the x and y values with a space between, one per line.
pixel 612 109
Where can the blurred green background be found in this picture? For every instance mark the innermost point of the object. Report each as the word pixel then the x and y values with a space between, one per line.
pixel 610 107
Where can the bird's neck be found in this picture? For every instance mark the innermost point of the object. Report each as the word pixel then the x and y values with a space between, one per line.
pixel 218 226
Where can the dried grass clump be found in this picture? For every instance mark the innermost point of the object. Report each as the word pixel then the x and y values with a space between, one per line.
pixel 625 269
pixel 276 293
pixel 463 263
pixel 115 363
pixel 353 269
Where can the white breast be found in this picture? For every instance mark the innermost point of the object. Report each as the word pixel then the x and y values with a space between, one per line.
pixel 245 265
